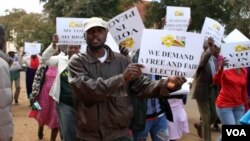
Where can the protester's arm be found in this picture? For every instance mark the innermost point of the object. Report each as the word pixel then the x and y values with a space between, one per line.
pixel 6 58
pixel 93 89
pixel 15 66
pixel 218 74
pixel 147 88
pixel 204 60
pixel 48 57
pixel 206 55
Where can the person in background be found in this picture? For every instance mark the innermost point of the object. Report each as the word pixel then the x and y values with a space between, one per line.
pixel 47 115
pixel 103 81
pixel 156 111
pixel 232 101
pixel 31 62
pixel 15 73
pixel 6 119
pixel 152 118
pixel 202 89
pixel 216 89
pixel 179 125
pixel 61 90
pixel 3 54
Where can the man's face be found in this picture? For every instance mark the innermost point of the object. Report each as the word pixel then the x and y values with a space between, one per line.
pixel 217 51
pixel 11 54
pixel 211 45
pixel 73 49
pixel 96 37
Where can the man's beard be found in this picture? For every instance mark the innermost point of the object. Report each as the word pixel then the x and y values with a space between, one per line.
pixel 96 47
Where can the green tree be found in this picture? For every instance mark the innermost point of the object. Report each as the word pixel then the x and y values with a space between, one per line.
pixel 231 13
pixel 239 17
pixel 22 27
pixel 86 8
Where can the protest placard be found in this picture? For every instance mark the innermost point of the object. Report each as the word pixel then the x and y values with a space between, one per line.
pixel 126 29
pixel 32 48
pixel 170 52
pixel 237 54
pixel 177 18
pixel 214 29
pixel 70 31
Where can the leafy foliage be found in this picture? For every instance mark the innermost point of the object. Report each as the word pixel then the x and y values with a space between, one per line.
pixel 22 27
pixel 231 13
pixel 86 8
pixel 37 27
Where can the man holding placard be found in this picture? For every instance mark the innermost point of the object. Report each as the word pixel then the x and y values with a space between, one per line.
pixel 203 89
pixel 101 80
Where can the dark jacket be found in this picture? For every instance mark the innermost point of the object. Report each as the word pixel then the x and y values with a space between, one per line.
pixel 140 104
pixel 103 109
pixel 203 80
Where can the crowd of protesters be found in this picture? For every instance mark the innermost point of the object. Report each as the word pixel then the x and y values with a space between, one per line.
pixel 103 95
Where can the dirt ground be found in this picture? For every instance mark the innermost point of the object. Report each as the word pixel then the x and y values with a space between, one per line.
pixel 25 128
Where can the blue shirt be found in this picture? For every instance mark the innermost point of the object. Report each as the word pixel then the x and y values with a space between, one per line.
pixel 153 104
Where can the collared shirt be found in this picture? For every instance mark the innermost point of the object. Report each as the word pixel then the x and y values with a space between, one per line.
pixel 212 61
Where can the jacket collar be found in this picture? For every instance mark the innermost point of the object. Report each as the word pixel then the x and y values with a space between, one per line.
pixel 92 59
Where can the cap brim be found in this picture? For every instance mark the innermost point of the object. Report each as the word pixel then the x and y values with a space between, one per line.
pixel 93 25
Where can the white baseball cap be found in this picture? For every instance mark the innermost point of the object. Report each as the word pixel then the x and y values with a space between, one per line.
pixel 94 22
pixel 12 49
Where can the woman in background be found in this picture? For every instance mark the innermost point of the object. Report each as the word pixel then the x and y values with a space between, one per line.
pixel 42 84
pixel 232 101
pixel 32 62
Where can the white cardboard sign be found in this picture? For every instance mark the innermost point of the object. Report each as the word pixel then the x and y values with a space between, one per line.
pixel 214 29
pixel 169 53
pixel 32 48
pixel 126 29
pixel 70 30
pixel 237 54
pixel 177 18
